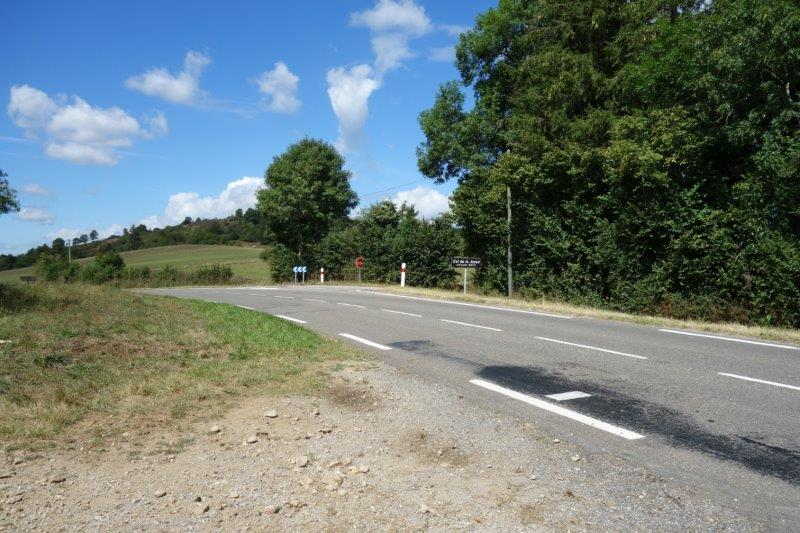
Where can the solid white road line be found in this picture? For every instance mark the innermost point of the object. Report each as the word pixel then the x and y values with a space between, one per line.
pixel 314 300
pixel 468 324
pixel 364 341
pixel 572 395
pixel 245 307
pixel 783 346
pixel 759 381
pixel 465 304
pixel 557 409
pixel 592 348
pixel 401 313
pixel 290 319
pixel 351 305
pixel 285 297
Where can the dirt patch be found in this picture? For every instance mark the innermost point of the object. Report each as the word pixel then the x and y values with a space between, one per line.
pixel 353 396
pixel 433 450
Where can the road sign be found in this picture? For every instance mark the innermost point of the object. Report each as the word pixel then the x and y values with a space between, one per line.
pixel 465 262
pixel 359 262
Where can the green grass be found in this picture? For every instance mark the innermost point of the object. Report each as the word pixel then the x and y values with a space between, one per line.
pixel 88 362
pixel 244 260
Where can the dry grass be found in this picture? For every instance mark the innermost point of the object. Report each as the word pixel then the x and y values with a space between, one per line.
pixel 88 361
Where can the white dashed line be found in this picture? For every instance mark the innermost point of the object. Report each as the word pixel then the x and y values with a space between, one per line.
pixel 351 305
pixel 314 300
pixel 465 304
pixel 290 319
pixel 468 324
pixel 592 348
pixel 401 313
pixel 783 346
pixel 760 381
pixel 557 409
pixel 285 297
pixel 364 341
pixel 572 395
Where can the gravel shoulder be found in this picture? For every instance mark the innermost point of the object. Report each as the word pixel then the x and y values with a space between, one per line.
pixel 378 450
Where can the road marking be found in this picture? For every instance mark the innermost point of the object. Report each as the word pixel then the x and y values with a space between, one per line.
pixel 245 307
pixel 592 348
pixel 314 300
pixel 285 297
pixel 759 381
pixel 468 324
pixel 401 313
pixel 364 341
pixel 465 304
pixel 572 395
pixel 351 305
pixel 730 339
pixel 557 409
pixel 290 319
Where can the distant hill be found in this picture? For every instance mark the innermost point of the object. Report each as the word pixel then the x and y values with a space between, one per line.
pixel 243 260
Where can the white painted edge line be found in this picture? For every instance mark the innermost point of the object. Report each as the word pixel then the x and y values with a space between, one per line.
pixel 785 386
pixel 401 313
pixel 245 307
pixel 285 297
pixel 557 409
pixel 351 305
pixel 364 341
pixel 314 300
pixel 785 347
pixel 465 304
pixel 572 395
pixel 290 319
pixel 592 348
pixel 468 324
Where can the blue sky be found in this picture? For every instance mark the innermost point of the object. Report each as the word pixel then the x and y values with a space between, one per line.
pixel 151 111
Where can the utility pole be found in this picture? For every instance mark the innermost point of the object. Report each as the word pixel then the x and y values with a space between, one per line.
pixel 69 253
pixel 508 209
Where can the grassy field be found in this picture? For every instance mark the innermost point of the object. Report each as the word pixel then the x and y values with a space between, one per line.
pixel 87 362
pixel 243 260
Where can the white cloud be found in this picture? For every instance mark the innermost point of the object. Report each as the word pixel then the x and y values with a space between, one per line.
pixel 349 92
pixel 280 85
pixel 393 23
pixel 390 15
pixel 76 131
pixel 446 54
pixel 180 88
pixel 429 203
pixel 238 194
pixel 454 30
pixel 390 51
pixel 35 189
pixel 35 214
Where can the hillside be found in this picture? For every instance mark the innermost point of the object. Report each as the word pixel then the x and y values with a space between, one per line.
pixel 244 260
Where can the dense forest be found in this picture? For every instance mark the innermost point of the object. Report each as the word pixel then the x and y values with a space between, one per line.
pixel 651 149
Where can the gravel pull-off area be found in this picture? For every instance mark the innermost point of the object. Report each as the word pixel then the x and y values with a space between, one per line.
pixel 381 451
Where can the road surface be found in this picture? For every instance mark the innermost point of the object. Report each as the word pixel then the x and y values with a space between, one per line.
pixel 710 409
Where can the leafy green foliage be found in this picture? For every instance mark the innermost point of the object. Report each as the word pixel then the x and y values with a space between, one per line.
pixel 308 192
pixel 652 148
pixel 8 196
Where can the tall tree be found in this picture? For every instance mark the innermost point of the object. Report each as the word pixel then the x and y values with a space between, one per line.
pixel 8 196
pixel 308 191
pixel 93 235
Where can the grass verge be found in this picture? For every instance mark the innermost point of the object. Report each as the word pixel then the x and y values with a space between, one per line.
pixel 86 362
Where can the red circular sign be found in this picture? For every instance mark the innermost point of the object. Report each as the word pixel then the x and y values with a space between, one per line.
pixel 359 262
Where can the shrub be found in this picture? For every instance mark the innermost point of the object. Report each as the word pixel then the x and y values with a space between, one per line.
pixel 213 274
pixel 51 267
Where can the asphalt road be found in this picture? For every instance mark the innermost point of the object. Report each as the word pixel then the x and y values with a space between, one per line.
pixel 717 411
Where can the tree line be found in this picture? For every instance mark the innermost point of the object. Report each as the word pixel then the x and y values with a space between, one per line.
pixel 651 148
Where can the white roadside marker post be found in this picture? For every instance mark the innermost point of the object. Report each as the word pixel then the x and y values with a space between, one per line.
pixel 402 274
pixel 322 275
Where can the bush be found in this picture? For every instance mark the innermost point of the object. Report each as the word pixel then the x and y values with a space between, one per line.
pixel 168 274
pixel 142 273
pixel 15 298
pixel 212 274
pixel 105 267
pixel 51 267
